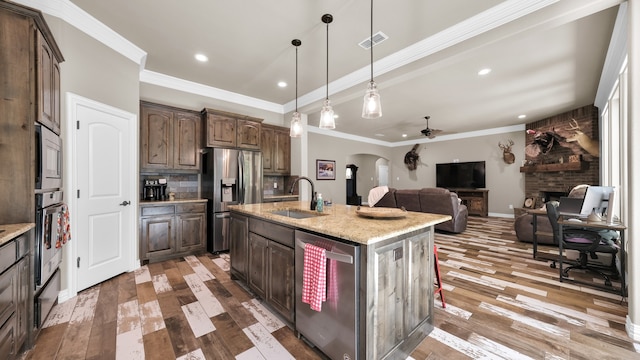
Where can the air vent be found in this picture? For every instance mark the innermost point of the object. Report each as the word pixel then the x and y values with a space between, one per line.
pixel 377 39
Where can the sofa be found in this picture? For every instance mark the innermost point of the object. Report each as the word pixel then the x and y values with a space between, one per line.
pixel 523 224
pixel 430 200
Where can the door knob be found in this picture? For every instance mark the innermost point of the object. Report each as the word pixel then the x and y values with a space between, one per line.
pixel 125 203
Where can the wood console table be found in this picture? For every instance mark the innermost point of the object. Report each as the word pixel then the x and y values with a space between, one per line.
pixel 476 200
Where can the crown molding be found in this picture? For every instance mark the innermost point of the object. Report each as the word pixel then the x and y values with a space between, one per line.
pixel 465 135
pixel 80 19
pixel 154 78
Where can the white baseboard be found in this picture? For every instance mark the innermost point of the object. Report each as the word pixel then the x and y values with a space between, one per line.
pixel 65 295
pixel 633 330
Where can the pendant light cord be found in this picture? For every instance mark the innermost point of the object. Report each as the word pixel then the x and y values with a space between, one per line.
pixel 296 78
pixel 371 41
pixel 327 98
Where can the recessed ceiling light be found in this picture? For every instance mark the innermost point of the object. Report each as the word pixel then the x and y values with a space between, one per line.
pixel 282 84
pixel 201 57
pixel 404 135
pixel 484 71
pixel 380 135
pixel 522 116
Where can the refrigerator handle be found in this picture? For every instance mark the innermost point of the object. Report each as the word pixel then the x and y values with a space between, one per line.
pixel 240 178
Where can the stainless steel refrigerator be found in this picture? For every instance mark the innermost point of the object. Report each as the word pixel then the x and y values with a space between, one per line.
pixel 229 177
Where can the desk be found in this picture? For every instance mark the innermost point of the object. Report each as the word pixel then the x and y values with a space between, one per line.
pixel 597 225
pixel 535 213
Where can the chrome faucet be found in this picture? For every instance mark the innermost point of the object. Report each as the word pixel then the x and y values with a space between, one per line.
pixel 313 193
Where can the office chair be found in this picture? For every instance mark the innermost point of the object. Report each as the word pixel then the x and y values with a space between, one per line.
pixel 586 242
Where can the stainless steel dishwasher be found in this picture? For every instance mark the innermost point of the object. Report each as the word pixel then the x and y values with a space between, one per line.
pixel 335 329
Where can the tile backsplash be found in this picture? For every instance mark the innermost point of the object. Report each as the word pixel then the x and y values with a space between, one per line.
pixel 282 185
pixel 185 186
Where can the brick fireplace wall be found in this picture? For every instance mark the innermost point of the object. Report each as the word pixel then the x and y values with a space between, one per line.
pixel 559 181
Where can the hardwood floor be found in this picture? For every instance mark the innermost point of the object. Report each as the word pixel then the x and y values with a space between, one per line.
pixel 501 304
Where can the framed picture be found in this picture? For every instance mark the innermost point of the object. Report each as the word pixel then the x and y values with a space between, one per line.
pixel 325 169
pixel 529 203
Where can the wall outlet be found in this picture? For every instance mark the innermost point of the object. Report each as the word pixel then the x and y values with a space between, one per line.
pixel 510 206
pixel 275 185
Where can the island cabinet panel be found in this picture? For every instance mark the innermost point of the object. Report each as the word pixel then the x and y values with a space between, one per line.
pixel 398 309
pixel 281 279
pixel 169 138
pixel 239 246
pixel 258 252
pixel 271 265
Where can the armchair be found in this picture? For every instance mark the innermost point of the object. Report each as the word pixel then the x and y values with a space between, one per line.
pixel 586 242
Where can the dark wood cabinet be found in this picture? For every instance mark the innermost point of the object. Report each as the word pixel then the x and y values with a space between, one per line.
pixel 281 280
pixel 477 201
pixel 224 129
pixel 30 77
pixel 48 74
pixel 258 252
pixel 271 265
pixel 16 295
pixel 276 150
pixel 171 230
pixel 239 246
pixel 169 138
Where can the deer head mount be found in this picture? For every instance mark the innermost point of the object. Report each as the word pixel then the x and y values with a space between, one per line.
pixel 507 155
pixel 588 144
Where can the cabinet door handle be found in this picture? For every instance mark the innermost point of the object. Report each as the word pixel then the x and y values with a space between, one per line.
pixel 125 203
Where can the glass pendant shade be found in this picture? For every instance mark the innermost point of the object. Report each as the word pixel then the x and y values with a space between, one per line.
pixel 371 107
pixel 327 120
pixel 296 125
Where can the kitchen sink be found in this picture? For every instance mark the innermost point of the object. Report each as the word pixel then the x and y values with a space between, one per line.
pixel 296 214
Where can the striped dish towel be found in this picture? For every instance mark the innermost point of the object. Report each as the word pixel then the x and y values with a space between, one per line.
pixel 314 276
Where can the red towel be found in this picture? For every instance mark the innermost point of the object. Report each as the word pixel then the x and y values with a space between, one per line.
pixel 64 227
pixel 314 276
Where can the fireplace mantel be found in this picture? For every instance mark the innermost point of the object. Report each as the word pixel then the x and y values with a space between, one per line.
pixel 567 166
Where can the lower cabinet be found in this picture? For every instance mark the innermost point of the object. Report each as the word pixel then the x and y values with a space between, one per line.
pixel 271 265
pixel 16 295
pixel 239 246
pixel 168 231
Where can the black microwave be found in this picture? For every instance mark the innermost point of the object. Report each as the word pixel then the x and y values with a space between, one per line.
pixel 48 159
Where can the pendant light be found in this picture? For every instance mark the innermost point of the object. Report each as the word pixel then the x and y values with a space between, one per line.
pixel 326 115
pixel 296 126
pixel 371 107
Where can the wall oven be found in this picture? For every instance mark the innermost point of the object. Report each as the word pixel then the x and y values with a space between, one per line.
pixel 48 253
pixel 48 159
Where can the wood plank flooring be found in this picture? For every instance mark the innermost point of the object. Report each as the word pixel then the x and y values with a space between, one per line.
pixel 501 304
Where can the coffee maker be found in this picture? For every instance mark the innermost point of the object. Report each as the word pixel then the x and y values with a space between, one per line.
pixel 154 189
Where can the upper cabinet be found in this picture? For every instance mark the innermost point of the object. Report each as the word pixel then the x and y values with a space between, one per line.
pixel 30 91
pixel 48 85
pixel 169 138
pixel 223 129
pixel 276 150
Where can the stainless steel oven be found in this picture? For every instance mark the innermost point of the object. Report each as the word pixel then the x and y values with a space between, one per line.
pixel 48 159
pixel 48 252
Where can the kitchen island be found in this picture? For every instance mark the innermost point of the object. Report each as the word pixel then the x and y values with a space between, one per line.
pixel 391 274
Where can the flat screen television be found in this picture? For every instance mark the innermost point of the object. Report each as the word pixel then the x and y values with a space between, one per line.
pixel 461 175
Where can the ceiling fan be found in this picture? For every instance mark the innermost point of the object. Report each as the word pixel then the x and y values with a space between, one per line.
pixel 428 132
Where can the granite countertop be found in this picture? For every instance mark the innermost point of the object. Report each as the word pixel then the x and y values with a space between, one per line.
pixel 13 230
pixel 169 202
pixel 287 196
pixel 341 221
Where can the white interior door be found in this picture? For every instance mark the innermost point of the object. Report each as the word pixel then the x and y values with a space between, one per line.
pixel 104 192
